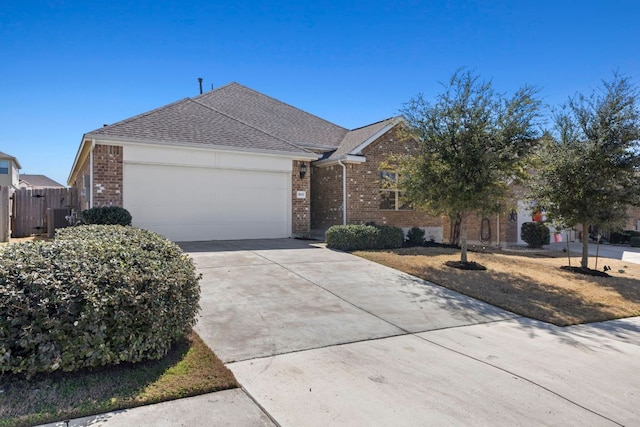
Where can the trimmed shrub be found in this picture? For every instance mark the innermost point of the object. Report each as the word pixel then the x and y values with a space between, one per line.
pixel 536 234
pixel 618 237
pixel 352 237
pixel 357 237
pixel 98 295
pixel 106 215
pixel 415 236
pixel 634 241
pixel 389 237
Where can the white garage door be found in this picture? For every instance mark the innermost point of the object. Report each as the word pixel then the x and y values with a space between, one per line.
pixel 191 203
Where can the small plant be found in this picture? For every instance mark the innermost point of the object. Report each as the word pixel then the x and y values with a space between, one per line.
pixel 536 234
pixel 106 215
pixel 415 236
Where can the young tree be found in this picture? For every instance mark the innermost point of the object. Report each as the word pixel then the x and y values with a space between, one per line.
pixel 589 171
pixel 472 141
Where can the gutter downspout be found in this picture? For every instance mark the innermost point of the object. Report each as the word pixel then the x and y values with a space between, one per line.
pixel 93 145
pixel 344 192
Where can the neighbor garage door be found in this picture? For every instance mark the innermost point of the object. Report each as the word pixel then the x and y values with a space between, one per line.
pixel 197 203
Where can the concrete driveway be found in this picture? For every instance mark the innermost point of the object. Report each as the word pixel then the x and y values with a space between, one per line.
pixel 318 337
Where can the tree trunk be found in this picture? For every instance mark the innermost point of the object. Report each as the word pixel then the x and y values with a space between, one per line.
pixel 463 239
pixel 584 263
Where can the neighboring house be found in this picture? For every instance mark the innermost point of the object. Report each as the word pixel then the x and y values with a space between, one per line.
pixel 9 167
pixel 37 182
pixel 236 164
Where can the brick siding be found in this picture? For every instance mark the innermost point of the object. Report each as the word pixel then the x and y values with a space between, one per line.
pixel 107 175
pixel 363 191
pixel 300 207
pixel 107 179
pixel 326 197
pixel 80 195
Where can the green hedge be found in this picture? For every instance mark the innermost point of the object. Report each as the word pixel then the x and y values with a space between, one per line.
pixel 106 215
pixel 415 236
pixel 389 237
pixel 536 234
pixel 634 241
pixel 362 237
pixel 98 295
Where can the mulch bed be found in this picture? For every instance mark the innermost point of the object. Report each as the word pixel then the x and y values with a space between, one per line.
pixel 587 271
pixel 470 265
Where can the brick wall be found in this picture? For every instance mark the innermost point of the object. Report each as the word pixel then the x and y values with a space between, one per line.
pixel 80 195
pixel 107 175
pixel 107 179
pixel 634 216
pixel 301 207
pixel 326 197
pixel 363 191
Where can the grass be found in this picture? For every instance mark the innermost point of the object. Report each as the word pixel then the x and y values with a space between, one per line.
pixel 526 283
pixel 188 370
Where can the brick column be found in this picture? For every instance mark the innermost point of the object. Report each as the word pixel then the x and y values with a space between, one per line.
pixel 300 207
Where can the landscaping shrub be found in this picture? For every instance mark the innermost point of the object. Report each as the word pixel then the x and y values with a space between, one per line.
pixel 535 234
pixel 634 241
pixel 106 215
pixel 352 237
pixel 619 237
pixel 362 237
pixel 389 237
pixel 415 236
pixel 98 295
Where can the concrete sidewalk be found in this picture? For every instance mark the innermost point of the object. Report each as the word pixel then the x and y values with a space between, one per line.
pixel 318 337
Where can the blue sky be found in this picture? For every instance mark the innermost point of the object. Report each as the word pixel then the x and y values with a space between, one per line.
pixel 68 67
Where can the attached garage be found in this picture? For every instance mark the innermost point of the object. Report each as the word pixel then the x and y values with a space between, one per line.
pixel 194 194
pixel 228 164
pixel 187 203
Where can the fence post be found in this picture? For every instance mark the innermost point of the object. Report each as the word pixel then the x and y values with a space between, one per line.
pixel 5 213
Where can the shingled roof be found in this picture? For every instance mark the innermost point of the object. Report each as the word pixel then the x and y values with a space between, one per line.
pixel 39 181
pixel 238 117
pixel 353 139
pixel 4 156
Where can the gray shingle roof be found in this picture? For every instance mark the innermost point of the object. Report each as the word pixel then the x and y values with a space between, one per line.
pixel 357 136
pixel 191 122
pixel 39 181
pixel 272 116
pixel 238 117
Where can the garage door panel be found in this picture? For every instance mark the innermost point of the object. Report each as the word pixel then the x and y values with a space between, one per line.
pixel 185 203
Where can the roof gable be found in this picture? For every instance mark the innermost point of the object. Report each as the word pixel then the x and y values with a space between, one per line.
pixel 4 156
pixel 272 116
pixel 357 139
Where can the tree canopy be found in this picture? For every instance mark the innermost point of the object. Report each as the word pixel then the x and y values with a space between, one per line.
pixel 588 171
pixel 472 142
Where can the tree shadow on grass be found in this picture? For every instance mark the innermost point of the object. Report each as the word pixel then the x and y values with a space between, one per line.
pixel 63 395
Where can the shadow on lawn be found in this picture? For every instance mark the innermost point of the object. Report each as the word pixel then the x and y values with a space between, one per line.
pixel 62 395
pixel 524 295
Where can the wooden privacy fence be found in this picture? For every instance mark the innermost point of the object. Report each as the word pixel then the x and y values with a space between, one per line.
pixel 31 209
pixel 5 213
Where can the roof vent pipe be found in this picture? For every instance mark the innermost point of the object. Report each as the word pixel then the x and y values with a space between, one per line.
pixel 200 82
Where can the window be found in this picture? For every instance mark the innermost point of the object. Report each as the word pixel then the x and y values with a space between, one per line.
pixel 4 167
pixel 390 196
